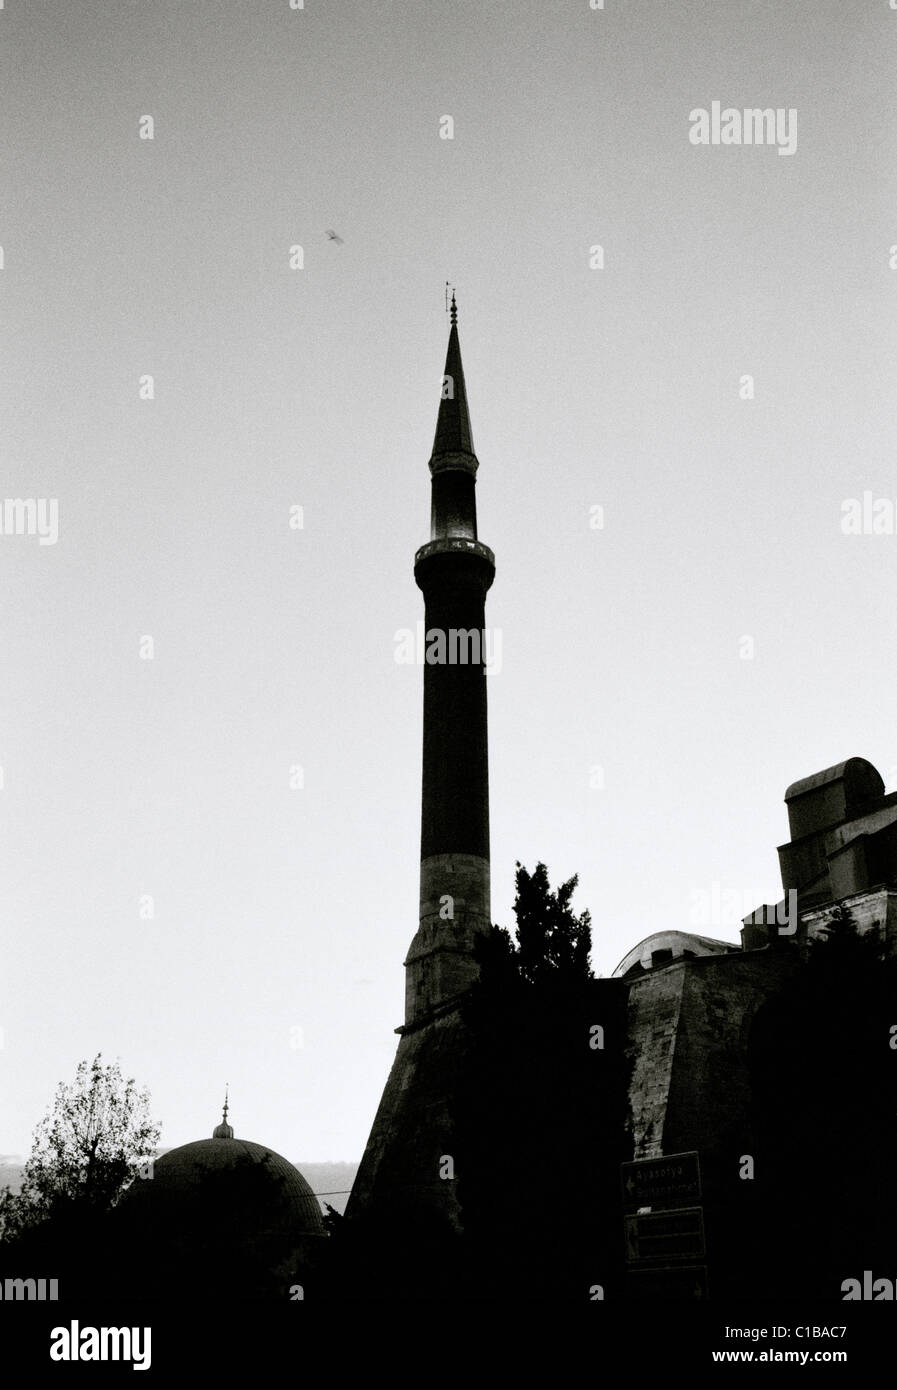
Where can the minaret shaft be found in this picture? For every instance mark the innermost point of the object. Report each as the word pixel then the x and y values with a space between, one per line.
pixel 454 868
pixel 455 777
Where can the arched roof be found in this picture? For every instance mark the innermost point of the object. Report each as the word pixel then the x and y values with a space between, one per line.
pixel 864 781
pixel 680 943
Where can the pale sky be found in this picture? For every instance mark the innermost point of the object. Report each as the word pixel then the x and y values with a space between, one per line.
pixel 281 917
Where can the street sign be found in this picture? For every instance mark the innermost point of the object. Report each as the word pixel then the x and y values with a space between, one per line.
pixel 674 1179
pixel 664 1235
pixel 686 1283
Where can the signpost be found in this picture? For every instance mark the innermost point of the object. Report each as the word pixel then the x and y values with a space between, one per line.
pixel 663 1226
pixel 669 1181
pixel 665 1235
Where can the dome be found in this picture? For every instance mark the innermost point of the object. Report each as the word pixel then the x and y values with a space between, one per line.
pixel 196 1168
pixel 221 1213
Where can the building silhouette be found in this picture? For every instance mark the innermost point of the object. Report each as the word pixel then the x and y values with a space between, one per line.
pixel 681 1006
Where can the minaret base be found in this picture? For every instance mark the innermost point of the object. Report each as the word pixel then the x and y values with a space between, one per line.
pixel 404 1170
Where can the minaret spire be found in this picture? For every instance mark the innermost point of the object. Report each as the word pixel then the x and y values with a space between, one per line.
pixel 453 439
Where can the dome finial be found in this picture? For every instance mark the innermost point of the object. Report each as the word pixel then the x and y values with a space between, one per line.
pixel 224 1130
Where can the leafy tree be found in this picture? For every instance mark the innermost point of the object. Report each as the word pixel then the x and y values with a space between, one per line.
pixel 85 1150
pixel 553 944
pixel 540 1111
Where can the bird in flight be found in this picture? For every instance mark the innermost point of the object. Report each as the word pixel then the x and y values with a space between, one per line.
pixel 333 236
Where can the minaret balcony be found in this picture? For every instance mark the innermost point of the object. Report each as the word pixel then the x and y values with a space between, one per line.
pixel 449 544
pixel 454 462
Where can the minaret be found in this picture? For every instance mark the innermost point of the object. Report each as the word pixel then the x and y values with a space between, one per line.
pixel 454 570
pixel 403 1168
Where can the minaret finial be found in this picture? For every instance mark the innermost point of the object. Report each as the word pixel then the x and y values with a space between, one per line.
pixel 224 1130
pixel 454 309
